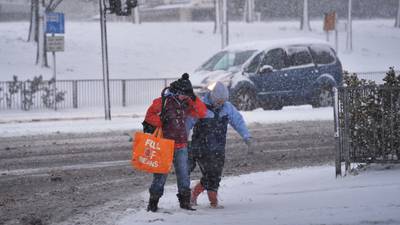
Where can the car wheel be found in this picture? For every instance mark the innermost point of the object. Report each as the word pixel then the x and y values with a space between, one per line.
pixel 245 99
pixel 323 97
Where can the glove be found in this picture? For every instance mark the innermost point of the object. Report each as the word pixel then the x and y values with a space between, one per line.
pixel 193 96
pixel 248 142
pixel 130 139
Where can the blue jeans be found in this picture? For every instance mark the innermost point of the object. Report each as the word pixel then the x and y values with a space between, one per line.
pixel 181 170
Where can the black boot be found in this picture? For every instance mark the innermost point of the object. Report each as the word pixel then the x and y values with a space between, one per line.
pixel 184 200
pixel 153 202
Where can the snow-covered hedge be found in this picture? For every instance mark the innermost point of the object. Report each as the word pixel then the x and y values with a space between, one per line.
pixel 370 117
pixel 25 92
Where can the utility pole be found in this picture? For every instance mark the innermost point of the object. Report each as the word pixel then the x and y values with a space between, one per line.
pixel 120 8
pixel 104 54
pixel 349 42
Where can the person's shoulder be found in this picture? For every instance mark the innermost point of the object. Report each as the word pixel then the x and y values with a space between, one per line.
pixel 205 99
pixel 157 101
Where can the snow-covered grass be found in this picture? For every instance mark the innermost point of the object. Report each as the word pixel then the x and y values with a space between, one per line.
pixel 169 49
pixel 302 196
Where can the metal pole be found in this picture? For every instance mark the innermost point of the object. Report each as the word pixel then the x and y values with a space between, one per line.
pixel 224 27
pixel 336 39
pixel 306 19
pixel 398 16
pixel 55 78
pixel 136 15
pixel 104 53
pixel 346 96
pixel 217 17
pixel 245 11
pixel 350 27
pixel 338 158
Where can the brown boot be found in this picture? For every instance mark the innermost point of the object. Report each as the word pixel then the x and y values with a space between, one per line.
pixel 196 191
pixel 212 196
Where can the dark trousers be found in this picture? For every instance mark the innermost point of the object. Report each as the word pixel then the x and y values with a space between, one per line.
pixel 211 164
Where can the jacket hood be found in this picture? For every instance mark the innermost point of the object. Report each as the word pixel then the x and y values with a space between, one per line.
pixel 218 91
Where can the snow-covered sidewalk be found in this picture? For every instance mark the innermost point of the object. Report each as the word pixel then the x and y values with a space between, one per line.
pixel 18 123
pixel 294 197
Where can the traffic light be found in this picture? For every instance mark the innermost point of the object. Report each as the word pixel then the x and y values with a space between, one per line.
pixel 122 7
pixel 114 6
pixel 130 4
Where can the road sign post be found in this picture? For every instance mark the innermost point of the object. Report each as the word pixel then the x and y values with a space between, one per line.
pixel 55 25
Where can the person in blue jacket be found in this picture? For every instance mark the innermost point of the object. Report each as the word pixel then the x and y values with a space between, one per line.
pixel 207 147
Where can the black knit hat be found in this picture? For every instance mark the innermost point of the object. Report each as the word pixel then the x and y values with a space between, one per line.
pixel 182 86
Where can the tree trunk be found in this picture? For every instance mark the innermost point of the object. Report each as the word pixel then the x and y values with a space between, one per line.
pixel 41 54
pixel 305 19
pixel 249 11
pixel 34 21
pixel 397 23
pixel 224 24
pixel 136 15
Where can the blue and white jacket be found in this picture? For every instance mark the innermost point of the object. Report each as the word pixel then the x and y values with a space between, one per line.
pixel 209 133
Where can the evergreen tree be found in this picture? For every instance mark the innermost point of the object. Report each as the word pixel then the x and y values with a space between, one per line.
pixel 51 96
pixel 13 88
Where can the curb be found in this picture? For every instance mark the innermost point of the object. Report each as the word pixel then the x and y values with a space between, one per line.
pixel 63 119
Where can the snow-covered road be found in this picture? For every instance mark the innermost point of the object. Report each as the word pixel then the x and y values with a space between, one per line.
pixel 61 177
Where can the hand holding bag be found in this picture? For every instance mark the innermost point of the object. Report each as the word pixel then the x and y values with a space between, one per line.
pixel 152 153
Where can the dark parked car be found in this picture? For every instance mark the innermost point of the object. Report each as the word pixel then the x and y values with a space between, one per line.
pixel 273 74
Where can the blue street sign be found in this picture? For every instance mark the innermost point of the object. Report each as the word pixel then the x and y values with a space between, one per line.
pixel 55 23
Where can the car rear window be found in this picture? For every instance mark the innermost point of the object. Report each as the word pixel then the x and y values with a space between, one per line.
pixel 322 54
pixel 299 55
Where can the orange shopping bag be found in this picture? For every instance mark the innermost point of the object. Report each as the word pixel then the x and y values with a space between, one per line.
pixel 152 153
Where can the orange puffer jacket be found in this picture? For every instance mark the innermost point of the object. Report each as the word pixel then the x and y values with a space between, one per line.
pixel 177 109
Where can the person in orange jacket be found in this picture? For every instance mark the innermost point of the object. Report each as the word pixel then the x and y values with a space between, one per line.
pixel 170 112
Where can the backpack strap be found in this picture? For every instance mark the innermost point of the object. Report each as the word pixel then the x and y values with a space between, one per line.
pixel 163 102
pixel 215 111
